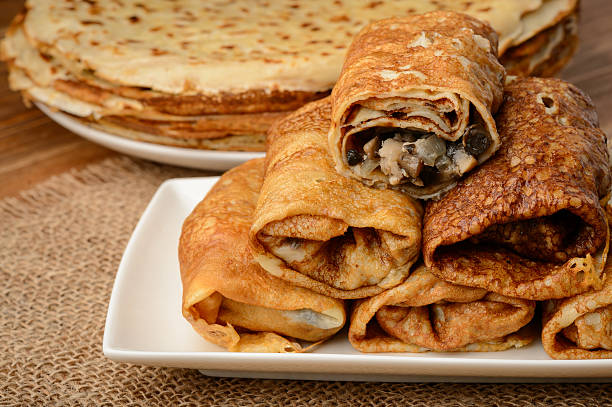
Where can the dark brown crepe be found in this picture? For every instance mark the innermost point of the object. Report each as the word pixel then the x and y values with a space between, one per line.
pixel 580 327
pixel 529 222
pixel 228 299
pixel 318 229
pixel 428 314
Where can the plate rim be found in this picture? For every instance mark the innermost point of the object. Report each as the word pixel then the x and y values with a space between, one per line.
pixel 122 144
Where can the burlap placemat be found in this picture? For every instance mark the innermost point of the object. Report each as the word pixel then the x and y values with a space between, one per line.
pixel 60 245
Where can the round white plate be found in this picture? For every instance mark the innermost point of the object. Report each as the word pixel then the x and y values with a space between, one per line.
pixel 184 157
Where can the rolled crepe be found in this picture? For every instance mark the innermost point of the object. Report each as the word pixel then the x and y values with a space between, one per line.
pixel 320 230
pixel 428 314
pixel 413 106
pixel 580 327
pixel 529 223
pixel 228 299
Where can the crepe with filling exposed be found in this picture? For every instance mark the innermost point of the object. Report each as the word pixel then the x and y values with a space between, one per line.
pixel 580 327
pixel 413 108
pixel 320 230
pixel 227 298
pixel 428 314
pixel 529 223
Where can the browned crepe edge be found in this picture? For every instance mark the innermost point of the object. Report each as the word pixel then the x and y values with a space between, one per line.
pixel 470 208
pixel 205 127
pixel 366 335
pixel 250 101
pixel 247 142
pixel 296 142
pixel 215 263
pixel 559 314
pixel 518 60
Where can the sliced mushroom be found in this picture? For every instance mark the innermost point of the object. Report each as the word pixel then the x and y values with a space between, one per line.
pixel 428 149
pixel 371 147
pixel 411 164
pixel 390 155
pixel 464 161
pixel 476 139
pixel 446 167
pixel 353 157
pixel 366 167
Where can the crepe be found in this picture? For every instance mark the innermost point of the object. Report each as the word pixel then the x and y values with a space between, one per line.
pixel 320 230
pixel 164 62
pixel 227 298
pixel 212 122
pixel 545 54
pixel 529 223
pixel 580 327
pixel 428 314
pixel 194 48
pixel 413 108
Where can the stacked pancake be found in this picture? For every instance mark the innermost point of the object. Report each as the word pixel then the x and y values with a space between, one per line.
pixel 280 247
pixel 217 76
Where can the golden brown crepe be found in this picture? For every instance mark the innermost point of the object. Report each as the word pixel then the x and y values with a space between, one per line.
pixel 428 314
pixel 546 53
pixel 228 299
pixel 413 108
pixel 580 327
pixel 199 49
pixel 320 230
pixel 529 223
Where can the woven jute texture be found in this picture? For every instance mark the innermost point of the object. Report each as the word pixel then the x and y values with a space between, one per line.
pixel 60 245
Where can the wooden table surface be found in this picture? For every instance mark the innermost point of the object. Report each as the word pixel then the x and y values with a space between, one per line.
pixel 32 147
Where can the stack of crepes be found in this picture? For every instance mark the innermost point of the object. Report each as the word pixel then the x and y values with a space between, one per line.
pixel 280 247
pixel 215 76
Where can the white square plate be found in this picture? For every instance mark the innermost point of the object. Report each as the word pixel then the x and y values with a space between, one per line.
pixel 144 324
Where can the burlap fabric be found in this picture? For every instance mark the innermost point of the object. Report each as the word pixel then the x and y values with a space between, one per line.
pixel 60 245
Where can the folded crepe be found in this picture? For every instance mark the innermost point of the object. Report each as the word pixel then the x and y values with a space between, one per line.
pixel 428 314
pixel 228 299
pixel 529 223
pixel 320 230
pixel 413 108
pixel 580 327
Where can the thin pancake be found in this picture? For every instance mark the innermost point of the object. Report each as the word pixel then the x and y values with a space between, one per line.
pixel 228 299
pixel 546 53
pixel 580 327
pixel 231 142
pixel 281 45
pixel 320 230
pixel 425 313
pixel 528 223
pixel 413 108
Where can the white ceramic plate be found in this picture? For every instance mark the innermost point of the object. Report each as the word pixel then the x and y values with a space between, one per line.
pixel 184 157
pixel 144 324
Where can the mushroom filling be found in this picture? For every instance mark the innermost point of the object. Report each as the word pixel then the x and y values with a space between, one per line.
pixel 411 156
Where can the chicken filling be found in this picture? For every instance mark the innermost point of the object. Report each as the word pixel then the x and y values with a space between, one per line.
pixel 411 156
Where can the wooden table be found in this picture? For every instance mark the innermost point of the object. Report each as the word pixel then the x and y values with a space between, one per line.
pixel 32 147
